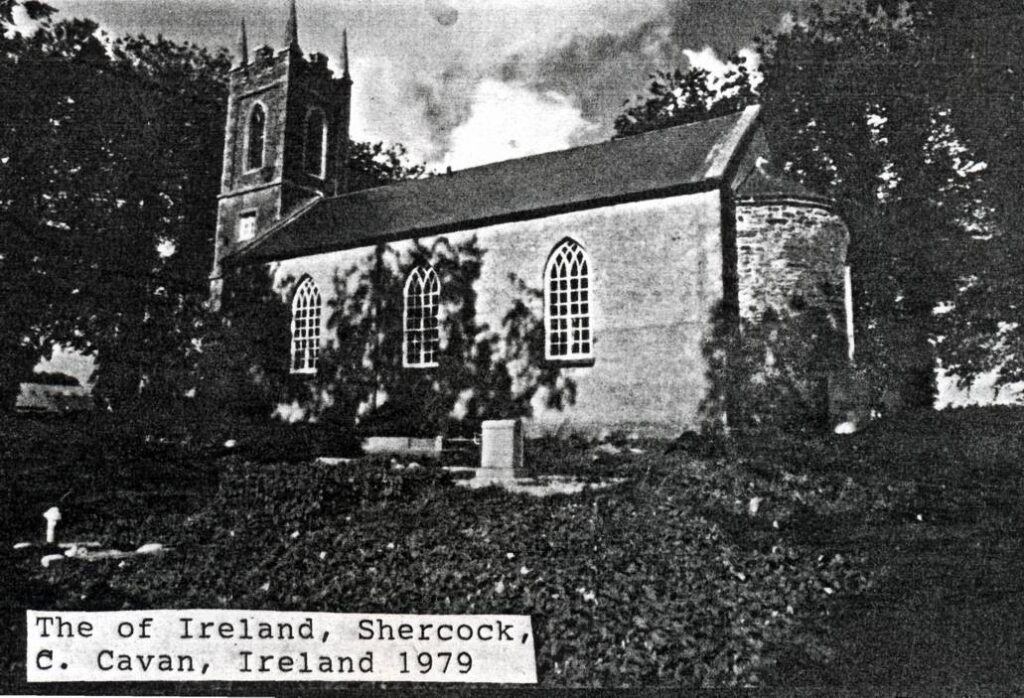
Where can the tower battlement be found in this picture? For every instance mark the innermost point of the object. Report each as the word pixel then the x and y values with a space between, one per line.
pixel 285 139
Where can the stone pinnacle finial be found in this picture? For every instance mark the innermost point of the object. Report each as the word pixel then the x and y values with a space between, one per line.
pixel 291 31
pixel 344 53
pixel 243 47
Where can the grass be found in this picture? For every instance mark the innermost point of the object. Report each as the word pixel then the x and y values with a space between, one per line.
pixel 666 580
pixel 945 616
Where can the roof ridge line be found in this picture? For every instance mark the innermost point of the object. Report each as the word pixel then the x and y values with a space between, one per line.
pixel 551 153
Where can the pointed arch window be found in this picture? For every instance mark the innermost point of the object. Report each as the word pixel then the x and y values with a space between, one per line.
pixel 315 143
pixel 306 309
pixel 422 341
pixel 256 135
pixel 568 332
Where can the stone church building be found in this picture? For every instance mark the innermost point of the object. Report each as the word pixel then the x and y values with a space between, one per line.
pixel 635 242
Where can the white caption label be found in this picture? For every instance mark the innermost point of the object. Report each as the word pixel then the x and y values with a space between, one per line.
pixel 221 645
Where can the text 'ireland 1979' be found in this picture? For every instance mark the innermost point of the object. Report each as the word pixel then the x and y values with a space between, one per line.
pixel 220 645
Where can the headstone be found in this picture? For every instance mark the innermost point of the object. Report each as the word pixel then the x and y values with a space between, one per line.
pixel 502 445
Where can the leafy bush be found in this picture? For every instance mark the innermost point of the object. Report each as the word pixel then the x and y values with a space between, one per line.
pixel 276 442
pixel 648 584
pixel 771 371
pixel 120 474
pixel 667 579
pixel 307 494
pixel 96 467
pixel 584 459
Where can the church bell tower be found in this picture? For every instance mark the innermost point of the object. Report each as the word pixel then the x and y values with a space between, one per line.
pixel 285 139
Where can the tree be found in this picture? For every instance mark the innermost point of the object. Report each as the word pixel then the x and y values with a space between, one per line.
pixel 858 108
pixel 110 158
pixel 34 9
pixel 851 109
pixel 377 164
pixel 675 98
pixel 975 59
pixel 109 186
pixel 153 349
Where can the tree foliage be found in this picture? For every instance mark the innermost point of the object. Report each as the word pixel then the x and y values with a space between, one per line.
pixel 675 98
pixel 975 64
pixel 482 372
pixel 110 159
pixel 376 164
pixel 108 184
pixel 885 108
pixel 33 9
pixel 772 372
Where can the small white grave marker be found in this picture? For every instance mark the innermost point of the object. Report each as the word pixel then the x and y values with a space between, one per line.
pixel 52 516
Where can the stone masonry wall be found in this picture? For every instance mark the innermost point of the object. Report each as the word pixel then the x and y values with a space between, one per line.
pixel 656 274
pixel 789 251
pixel 791 258
pixel 286 86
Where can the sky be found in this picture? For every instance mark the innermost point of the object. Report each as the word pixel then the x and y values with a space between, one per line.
pixel 466 82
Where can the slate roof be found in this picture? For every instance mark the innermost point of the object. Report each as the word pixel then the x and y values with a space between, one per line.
pixel 762 184
pixel 693 157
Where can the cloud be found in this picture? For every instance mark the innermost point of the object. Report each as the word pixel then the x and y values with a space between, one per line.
pixel 418 63
pixel 718 68
pixel 443 14
pixel 600 70
pixel 707 59
pixel 418 108
pixel 444 100
pixel 725 25
pixel 453 71
pixel 512 120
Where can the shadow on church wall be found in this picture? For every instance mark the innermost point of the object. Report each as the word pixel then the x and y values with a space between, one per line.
pixel 361 384
pixel 772 371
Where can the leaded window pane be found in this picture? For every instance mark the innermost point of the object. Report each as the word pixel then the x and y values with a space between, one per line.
pixel 306 310
pixel 422 329
pixel 568 304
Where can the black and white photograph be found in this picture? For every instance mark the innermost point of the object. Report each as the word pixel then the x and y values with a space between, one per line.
pixel 463 345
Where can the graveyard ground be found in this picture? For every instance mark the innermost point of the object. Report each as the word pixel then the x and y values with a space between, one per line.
pixel 888 558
